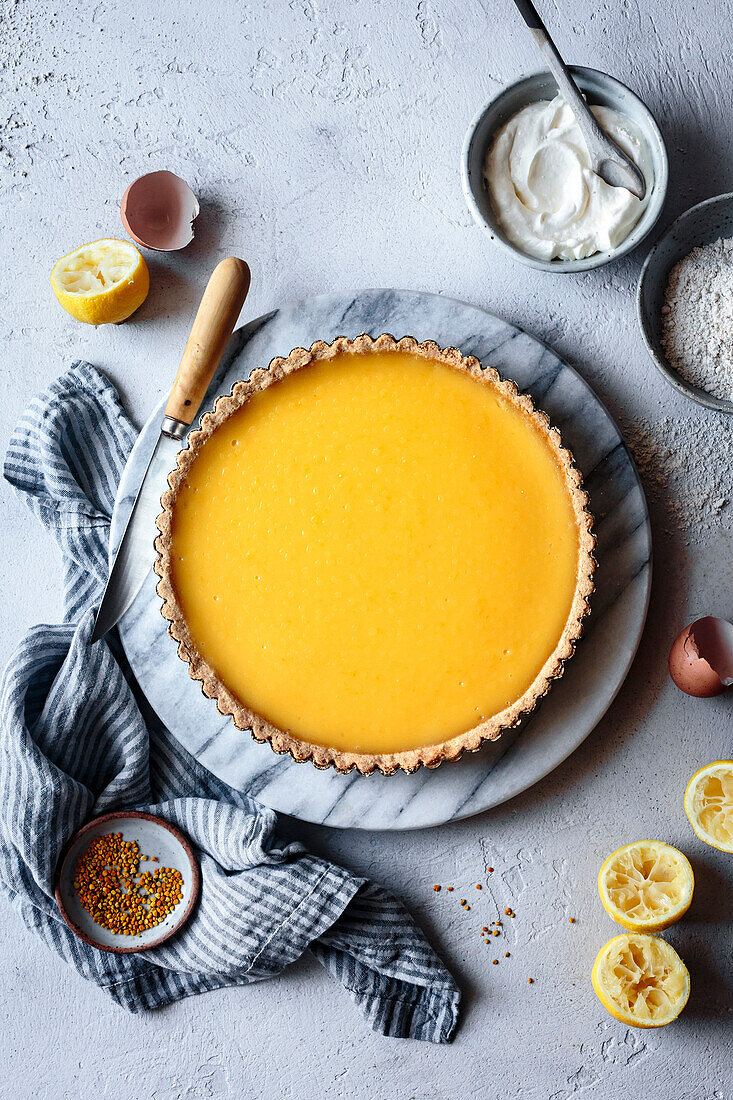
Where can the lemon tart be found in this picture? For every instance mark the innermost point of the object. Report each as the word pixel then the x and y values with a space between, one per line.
pixel 375 554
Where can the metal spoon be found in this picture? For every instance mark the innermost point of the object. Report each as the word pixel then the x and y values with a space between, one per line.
pixel 606 159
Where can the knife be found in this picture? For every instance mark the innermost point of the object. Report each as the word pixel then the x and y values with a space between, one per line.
pixel 217 315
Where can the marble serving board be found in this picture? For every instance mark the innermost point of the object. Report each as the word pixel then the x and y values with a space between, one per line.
pixel 575 703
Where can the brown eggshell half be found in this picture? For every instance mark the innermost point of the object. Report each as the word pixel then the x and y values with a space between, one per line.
pixel 701 659
pixel 158 211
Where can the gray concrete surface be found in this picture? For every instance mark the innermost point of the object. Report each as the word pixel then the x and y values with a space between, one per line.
pixel 323 140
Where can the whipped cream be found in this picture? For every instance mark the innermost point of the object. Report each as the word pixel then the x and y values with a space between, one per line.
pixel 546 198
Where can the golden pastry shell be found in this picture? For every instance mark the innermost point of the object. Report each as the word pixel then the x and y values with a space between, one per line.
pixel 430 756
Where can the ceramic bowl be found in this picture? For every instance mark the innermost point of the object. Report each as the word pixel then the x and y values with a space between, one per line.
pixel 599 89
pixel 700 225
pixel 155 837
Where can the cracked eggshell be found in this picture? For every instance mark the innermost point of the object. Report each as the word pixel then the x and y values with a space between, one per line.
pixel 701 659
pixel 158 211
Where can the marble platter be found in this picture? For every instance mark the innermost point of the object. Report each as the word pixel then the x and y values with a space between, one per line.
pixel 575 704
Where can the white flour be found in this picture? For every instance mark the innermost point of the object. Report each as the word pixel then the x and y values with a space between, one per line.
pixel 697 318
pixel 685 467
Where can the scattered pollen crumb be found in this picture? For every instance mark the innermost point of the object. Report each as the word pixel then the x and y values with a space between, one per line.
pixel 507 912
pixel 450 889
pixel 506 955
pixel 436 888
pixel 495 962
pixel 463 901
pixel 490 870
pixel 479 886
pixel 484 929
pixel 496 931
pixel 572 920
pixel 530 981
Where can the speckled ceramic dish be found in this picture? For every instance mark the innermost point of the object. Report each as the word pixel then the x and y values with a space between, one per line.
pixel 155 837
pixel 599 89
pixel 700 225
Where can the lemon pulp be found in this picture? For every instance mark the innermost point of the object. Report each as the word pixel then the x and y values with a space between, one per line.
pixel 641 980
pixel 709 804
pixel 377 552
pixel 646 886
pixel 101 283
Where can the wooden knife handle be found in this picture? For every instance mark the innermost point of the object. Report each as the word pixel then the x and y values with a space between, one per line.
pixel 217 315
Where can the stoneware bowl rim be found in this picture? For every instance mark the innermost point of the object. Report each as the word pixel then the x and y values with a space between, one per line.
pixel 656 268
pixel 531 85
pixel 118 815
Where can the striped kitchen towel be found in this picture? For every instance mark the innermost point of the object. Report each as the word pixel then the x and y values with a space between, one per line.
pixel 78 740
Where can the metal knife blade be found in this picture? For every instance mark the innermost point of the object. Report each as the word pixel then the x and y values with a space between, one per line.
pixel 136 552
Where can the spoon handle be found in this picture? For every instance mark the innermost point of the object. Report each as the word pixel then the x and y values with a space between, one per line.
pixel 587 122
pixel 606 159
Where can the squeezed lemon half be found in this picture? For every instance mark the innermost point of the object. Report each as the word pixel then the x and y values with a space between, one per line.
pixel 646 886
pixel 101 283
pixel 641 980
pixel 709 804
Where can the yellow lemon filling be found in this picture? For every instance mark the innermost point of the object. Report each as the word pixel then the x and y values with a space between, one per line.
pixel 376 553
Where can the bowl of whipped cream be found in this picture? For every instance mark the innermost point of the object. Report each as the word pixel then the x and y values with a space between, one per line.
pixel 527 177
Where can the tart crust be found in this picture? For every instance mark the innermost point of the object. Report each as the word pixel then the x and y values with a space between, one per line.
pixel 430 756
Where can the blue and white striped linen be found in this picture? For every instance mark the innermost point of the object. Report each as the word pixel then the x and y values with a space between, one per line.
pixel 79 740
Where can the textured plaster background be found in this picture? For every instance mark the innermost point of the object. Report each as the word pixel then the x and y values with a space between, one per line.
pixel 323 140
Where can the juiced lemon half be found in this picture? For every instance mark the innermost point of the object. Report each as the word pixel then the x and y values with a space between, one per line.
pixel 101 283
pixel 641 980
pixel 646 886
pixel 709 804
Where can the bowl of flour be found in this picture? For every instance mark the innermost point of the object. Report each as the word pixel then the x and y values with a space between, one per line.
pixel 685 303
